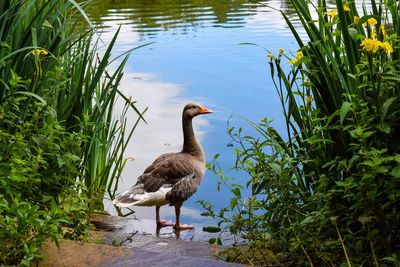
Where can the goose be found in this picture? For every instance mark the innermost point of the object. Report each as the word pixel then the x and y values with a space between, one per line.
pixel 173 177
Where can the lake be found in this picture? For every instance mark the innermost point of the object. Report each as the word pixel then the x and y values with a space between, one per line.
pixel 195 55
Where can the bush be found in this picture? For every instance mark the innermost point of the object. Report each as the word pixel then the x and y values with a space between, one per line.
pixel 39 161
pixel 24 226
pixel 60 147
pixel 328 194
pixel 38 156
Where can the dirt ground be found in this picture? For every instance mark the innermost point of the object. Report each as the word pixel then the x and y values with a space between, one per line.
pixel 73 253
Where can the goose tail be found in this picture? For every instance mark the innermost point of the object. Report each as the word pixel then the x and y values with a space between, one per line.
pixel 126 199
pixel 129 198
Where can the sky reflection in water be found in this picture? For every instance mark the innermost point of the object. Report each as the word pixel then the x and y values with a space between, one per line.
pixel 196 57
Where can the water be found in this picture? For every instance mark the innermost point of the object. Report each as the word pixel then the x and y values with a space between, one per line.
pixel 195 56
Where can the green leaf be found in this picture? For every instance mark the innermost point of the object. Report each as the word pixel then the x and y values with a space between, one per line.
pixel 82 12
pixel 353 33
pixel 19 178
pixel 211 229
pixel 215 241
pixel 236 192
pixel 364 219
pixel 344 110
pixel 384 127
pixel 308 220
pixel 390 2
pixel 32 95
pixel 373 233
pixel 390 77
pixel 396 172
pixel 357 132
pixel 233 203
pixel 391 259
pixel 368 134
pixel 275 167
pixel 47 24
pixel 385 107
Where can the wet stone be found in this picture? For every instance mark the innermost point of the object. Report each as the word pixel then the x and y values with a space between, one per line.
pixel 125 244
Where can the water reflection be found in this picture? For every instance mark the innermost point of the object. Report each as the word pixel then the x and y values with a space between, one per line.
pixel 195 58
pixel 142 228
pixel 181 17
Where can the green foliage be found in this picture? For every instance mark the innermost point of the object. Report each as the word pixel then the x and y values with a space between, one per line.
pixel 61 148
pixel 23 228
pixel 24 225
pixel 327 192
pixel 39 160
pixel 37 154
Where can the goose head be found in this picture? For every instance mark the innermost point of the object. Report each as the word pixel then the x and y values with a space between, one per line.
pixel 192 110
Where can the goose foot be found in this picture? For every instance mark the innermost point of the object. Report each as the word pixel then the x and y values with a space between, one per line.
pixel 162 223
pixel 183 226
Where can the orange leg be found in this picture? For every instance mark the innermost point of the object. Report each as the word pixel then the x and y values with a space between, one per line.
pixel 161 223
pixel 178 225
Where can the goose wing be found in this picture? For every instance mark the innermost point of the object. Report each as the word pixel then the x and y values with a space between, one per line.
pixel 175 176
pixel 166 171
pixel 183 189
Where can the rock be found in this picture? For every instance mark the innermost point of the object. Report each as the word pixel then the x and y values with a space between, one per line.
pixel 137 249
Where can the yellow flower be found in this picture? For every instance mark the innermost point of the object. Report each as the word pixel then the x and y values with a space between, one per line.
pixel 346 7
pixel 299 55
pixel 371 45
pixel 383 30
pixel 332 14
pixel 308 99
pixel 356 19
pixel 373 33
pixel 270 56
pixel 294 61
pixel 39 52
pixel 372 21
pixel 281 51
pixel 387 46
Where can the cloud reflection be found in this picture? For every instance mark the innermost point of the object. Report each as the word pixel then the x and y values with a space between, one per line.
pixel 126 37
pixel 268 19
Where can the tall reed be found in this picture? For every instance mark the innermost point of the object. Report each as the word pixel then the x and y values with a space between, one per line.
pixel 89 108
pixel 68 75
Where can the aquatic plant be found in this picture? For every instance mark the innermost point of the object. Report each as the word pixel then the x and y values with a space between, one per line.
pixel 326 192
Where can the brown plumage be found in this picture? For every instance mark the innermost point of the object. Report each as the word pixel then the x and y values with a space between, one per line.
pixel 173 177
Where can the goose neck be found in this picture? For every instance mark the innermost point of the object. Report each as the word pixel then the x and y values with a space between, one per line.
pixel 190 143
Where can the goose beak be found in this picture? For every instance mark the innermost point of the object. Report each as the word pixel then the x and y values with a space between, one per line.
pixel 204 110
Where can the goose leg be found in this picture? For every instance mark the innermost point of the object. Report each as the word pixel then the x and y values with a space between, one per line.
pixel 161 223
pixel 178 225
